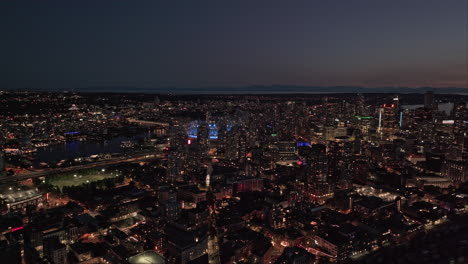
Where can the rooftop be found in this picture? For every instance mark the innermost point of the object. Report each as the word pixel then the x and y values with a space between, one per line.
pixel 17 194
pixel 147 257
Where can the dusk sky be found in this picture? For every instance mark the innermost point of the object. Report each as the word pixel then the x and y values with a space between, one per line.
pixel 73 44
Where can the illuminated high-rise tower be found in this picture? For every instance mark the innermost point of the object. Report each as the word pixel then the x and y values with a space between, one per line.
pixel 396 102
pixel 209 171
pixel 388 120
pixel 460 115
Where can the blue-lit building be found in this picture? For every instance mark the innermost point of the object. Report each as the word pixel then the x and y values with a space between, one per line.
pixel 213 128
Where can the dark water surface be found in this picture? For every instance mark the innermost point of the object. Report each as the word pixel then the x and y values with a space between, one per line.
pixel 80 149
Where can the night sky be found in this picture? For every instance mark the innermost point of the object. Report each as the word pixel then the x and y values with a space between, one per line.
pixel 193 43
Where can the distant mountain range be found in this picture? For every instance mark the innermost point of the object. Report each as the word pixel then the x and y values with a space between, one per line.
pixel 261 89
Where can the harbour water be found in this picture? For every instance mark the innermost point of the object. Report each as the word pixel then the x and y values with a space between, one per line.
pixel 446 107
pixel 80 149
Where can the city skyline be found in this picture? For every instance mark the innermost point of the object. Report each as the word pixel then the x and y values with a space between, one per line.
pixel 343 178
pixel 222 132
pixel 208 44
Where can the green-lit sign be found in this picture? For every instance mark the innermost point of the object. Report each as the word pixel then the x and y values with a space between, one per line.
pixel 363 117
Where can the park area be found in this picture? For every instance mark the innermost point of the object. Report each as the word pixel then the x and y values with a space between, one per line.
pixel 79 178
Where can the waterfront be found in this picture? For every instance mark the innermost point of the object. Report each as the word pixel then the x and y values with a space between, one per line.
pixel 82 149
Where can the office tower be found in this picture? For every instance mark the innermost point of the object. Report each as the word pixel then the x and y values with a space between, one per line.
pixel 175 165
pixel 396 102
pixel 455 170
pixel 318 162
pixel 178 135
pixel 232 146
pixel 203 139
pixel 213 249
pixel 55 251
pixel 242 143
pixel 388 120
pixel 460 116
pixel 222 138
pixel 429 101
pixel 360 106
pixel 400 122
pixel 464 147
pixel 2 164
pixel 287 149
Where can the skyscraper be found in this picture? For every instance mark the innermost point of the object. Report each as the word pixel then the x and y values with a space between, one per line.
pixel 55 251
pixel 2 163
pixel 213 243
pixel 203 139
pixel 388 120
pixel 318 162
pixel 429 101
